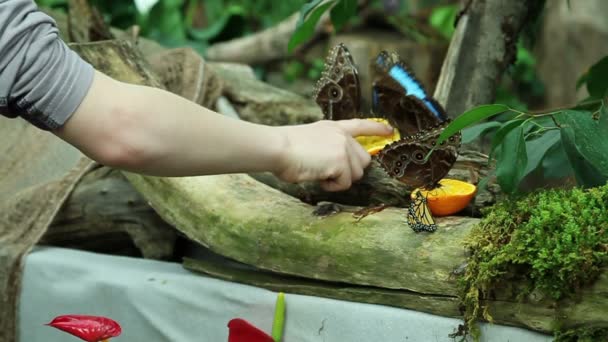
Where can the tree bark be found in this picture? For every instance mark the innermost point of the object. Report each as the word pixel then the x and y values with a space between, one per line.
pixel 105 214
pixel 483 46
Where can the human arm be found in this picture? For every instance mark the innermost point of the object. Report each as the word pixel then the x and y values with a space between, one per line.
pixel 151 131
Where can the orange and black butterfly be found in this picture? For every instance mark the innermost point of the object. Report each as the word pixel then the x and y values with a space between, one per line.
pixel 419 215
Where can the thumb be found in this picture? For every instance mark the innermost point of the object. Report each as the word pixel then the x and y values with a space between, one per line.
pixel 359 127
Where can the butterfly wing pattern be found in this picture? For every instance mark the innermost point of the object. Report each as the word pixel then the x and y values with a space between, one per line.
pixel 338 91
pixel 405 159
pixel 419 215
pixel 401 99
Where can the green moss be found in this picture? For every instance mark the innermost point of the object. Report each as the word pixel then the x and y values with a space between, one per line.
pixel 549 243
pixel 582 335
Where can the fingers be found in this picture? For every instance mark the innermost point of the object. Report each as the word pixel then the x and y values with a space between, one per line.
pixel 361 153
pixel 352 168
pixel 359 127
pixel 356 164
pixel 339 181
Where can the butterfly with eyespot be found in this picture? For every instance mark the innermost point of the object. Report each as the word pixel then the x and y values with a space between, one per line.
pixel 338 91
pixel 398 97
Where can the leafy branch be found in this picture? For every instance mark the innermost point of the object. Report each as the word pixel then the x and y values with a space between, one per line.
pixel 341 11
pixel 563 142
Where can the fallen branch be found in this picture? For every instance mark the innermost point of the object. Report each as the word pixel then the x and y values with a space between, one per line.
pixel 260 47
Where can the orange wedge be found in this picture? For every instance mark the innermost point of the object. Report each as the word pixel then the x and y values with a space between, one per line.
pixel 449 198
pixel 374 143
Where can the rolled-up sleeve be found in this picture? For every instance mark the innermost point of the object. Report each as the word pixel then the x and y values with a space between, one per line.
pixel 41 78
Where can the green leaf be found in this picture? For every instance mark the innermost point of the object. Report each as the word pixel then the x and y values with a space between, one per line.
pixel 502 133
pixel 279 318
pixel 470 117
pixel 218 25
pixel 307 27
pixel 582 80
pixel 51 3
pixel 597 82
pixel 511 165
pixel 342 12
pixel 306 9
pixel 586 175
pixel 471 133
pixel 442 19
pixel 483 182
pixel 537 149
pixel 589 136
pixel 556 164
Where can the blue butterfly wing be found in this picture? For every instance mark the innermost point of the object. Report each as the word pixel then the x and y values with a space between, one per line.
pixel 399 97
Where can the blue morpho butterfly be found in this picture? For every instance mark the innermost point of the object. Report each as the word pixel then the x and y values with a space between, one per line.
pixel 398 97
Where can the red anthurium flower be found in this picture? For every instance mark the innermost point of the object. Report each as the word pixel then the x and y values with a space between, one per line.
pixel 242 331
pixel 87 328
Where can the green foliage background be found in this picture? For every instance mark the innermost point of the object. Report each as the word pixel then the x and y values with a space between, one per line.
pixel 197 23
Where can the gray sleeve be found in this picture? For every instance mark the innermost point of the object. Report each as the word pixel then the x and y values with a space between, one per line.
pixel 41 79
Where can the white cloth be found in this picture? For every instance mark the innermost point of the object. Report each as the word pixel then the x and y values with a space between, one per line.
pixel 160 301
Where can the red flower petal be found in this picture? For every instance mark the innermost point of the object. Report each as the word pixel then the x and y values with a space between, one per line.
pixel 87 328
pixel 243 331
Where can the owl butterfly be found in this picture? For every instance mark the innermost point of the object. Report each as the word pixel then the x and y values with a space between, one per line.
pixel 338 92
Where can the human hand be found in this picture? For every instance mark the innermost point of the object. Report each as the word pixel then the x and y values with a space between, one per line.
pixel 327 151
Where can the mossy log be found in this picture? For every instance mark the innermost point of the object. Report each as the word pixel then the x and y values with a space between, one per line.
pixel 240 218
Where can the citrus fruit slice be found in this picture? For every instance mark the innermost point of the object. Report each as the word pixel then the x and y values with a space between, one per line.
pixel 374 143
pixel 449 198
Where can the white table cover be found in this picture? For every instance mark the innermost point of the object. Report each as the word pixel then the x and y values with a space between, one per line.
pixel 161 301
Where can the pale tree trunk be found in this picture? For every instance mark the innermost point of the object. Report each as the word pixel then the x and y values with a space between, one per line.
pixel 482 47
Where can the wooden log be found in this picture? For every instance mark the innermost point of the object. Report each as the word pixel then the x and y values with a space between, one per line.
pixel 260 47
pixel 85 23
pixel 258 102
pixel 536 315
pixel 105 214
pixel 239 218
pixel 433 304
pixel 184 72
pixel 376 187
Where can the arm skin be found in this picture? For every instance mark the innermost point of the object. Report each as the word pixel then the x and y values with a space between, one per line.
pixel 152 131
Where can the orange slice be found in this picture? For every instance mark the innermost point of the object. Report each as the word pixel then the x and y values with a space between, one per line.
pixel 375 143
pixel 449 198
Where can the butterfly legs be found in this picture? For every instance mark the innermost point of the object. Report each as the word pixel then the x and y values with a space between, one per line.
pixel 363 212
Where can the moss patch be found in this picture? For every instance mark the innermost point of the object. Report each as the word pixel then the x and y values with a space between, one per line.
pixel 582 335
pixel 549 243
